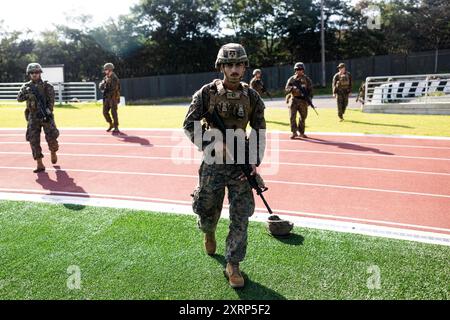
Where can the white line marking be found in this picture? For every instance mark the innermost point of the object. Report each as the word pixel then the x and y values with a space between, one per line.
pixel 330 143
pixel 340 134
pixel 271 150
pixel 109 172
pixel 89 195
pixel 319 215
pixel 196 161
pixel 269 181
pixel 358 188
pixel 359 154
pixel 316 223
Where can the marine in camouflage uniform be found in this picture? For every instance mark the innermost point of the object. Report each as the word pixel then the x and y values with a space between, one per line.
pixel 342 87
pixel 110 86
pixel 237 108
pixel 296 101
pixel 35 117
pixel 257 84
pixel 362 94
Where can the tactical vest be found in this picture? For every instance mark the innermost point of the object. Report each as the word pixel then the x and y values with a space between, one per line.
pixel 232 106
pixel 41 86
pixel 302 81
pixel 257 85
pixel 343 82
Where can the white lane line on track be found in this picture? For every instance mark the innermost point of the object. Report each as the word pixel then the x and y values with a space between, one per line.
pixel 330 143
pixel 271 150
pixel 109 172
pixel 269 181
pixel 258 210
pixel 196 161
pixel 338 134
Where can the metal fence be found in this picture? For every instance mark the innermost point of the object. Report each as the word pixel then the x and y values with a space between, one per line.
pixel 414 94
pixel 9 91
pixel 64 92
pixel 418 89
pixel 183 85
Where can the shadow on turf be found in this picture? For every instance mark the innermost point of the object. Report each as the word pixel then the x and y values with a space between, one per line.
pixel 132 139
pixel 380 124
pixel 63 183
pixel 252 290
pixel 280 123
pixel 347 146
pixel 293 240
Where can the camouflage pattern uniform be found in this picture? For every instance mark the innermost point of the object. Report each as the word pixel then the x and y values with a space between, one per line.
pixel 35 123
pixel 214 178
pixel 297 102
pixel 342 87
pixel 362 93
pixel 110 86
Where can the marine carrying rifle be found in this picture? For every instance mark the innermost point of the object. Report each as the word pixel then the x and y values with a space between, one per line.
pixel 264 89
pixel 214 118
pixel 44 112
pixel 307 98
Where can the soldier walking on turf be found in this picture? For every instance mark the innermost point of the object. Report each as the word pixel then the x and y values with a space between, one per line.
pixel 257 84
pixel 296 87
pixel 110 86
pixel 342 88
pixel 236 105
pixel 362 94
pixel 40 100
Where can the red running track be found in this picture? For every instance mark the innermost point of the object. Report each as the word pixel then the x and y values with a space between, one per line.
pixel 382 181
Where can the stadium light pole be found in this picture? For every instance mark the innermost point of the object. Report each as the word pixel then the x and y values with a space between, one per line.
pixel 322 40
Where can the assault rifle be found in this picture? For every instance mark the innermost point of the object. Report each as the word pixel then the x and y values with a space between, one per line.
pixel 246 168
pixel 264 89
pixel 306 96
pixel 44 112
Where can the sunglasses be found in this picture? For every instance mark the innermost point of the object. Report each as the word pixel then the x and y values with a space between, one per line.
pixel 35 72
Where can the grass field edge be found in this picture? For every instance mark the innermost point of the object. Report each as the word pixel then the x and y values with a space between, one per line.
pixel 259 216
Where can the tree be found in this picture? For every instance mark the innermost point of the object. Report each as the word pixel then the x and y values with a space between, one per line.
pixel 179 34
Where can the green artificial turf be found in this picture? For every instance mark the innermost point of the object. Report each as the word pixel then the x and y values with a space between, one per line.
pixel 90 115
pixel 125 254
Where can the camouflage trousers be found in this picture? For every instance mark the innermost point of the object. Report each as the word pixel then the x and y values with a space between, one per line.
pixel 342 103
pixel 33 136
pixel 110 106
pixel 301 107
pixel 208 202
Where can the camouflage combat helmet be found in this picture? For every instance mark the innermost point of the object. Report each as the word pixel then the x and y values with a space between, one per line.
pixel 256 71
pixel 299 65
pixel 108 66
pixel 278 227
pixel 341 65
pixel 231 53
pixel 34 67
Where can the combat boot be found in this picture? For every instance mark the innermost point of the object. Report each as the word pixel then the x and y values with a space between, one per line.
pixel 40 166
pixel 116 130
pixel 210 243
pixel 294 135
pixel 110 127
pixel 54 157
pixel 235 278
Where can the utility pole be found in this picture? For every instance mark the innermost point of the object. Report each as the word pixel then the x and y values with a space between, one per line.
pixel 322 40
